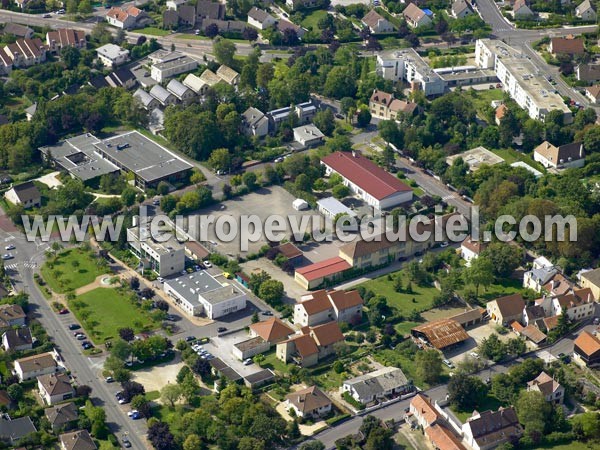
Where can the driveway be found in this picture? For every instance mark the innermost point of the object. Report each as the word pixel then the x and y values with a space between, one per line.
pixel 50 179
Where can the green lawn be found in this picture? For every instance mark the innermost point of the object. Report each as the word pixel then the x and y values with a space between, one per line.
pixel 153 31
pixel 489 403
pixel 420 298
pixel 72 269
pixel 403 328
pixel 574 445
pixel 103 311
pixel 313 18
pixel 499 289
pixel 271 362
pixel 192 36
pixel 510 156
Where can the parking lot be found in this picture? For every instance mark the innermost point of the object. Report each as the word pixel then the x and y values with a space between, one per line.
pixel 263 203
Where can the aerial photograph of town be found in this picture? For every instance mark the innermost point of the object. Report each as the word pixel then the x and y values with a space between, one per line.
pixel 300 224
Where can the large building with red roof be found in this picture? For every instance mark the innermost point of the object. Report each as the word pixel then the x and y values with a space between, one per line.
pixel 366 179
pixel 314 275
pixel 324 306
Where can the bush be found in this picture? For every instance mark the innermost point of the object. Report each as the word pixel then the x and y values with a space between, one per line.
pixel 337 419
pixel 350 400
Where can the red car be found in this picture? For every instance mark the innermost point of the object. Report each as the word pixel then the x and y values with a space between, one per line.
pixel 64 311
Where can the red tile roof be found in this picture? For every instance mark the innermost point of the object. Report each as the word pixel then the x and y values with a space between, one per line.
pixel 271 329
pixel 442 438
pixel 324 268
pixel 365 174
pixel 305 345
pixel 425 409
pixel 345 299
pixel 289 250
pixel 588 343
pixel 327 334
pixel 566 45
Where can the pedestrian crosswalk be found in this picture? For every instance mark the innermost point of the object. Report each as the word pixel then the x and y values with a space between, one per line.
pixel 15 266
pixel 449 197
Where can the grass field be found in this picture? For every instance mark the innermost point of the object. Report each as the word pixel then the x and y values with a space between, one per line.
pixel 72 269
pixel 499 289
pixel 271 362
pixel 103 311
pixel 420 299
pixel 510 156
pixel 153 31
pixel 489 402
pixel 313 18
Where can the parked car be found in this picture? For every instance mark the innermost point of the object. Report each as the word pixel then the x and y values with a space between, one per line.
pixel 7 256
pixel 156 202
pixel 74 326
pixel 444 244
pixel 267 313
pixel 221 329
pixel 207 263
pixel 248 361
pixel 596 320
pixel 126 442
pixel 64 311
pixel 9 247
pixel 190 338
pixel 160 280
pixel 87 345
pixel 448 364
pixel 109 379
pixel 80 337
pixel 474 355
pixel 77 333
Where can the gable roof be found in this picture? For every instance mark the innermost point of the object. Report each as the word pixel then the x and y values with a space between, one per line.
pixel 177 88
pixel 145 98
pixel 210 10
pixel 460 5
pixel 10 313
pixel 592 276
pixel 16 337
pixel 305 345
pixel 17 29
pixel 345 299
pixel 587 343
pixel 378 381
pixel 271 329
pixel 510 305
pixel 567 45
pixel 309 399
pixel 442 333
pixel 227 74
pixel 533 333
pixel 475 246
pixel 365 174
pixel 413 12
pixel 11 430
pixel 26 192
pixel 550 322
pixel 160 93
pixel 584 6
pixel 37 362
pixel 425 409
pixel 66 36
pixel 443 438
pixel 55 384
pixel 402 106
pixel 372 18
pixel 325 268
pixel 260 15
pixel 594 91
pixel 576 298
pixel 316 303
pixel 489 427
pixel 381 97
pixel 519 4
pixel 588 72
pixel 59 415
pixel 209 77
pixel 544 383
pixel 564 153
pixel 327 334
pixel 77 440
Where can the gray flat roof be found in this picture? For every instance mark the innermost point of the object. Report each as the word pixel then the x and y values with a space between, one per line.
pixel 144 157
pixel 191 286
pixel 78 155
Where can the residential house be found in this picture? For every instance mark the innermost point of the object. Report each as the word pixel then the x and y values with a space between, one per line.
pixel 500 113
pixel 174 4
pixel 534 315
pixel 255 123
pixel 489 429
pixel 442 438
pixel 112 55
pixel 209 78
pixel 295 5
pixel 415 16
pixel 309 403
pixel 505 310
pixel 384 106
pixel 377 23
pixel 63 416
pixel 377 385
pixel 184 15
pixel 11 316
pixel 585 11
pixel 196 84
pixel 551 389
pixel 224 26
pixel 184 94
pixel 164 97
pixel 593 93
pixel 29 111
pixel 17 30
pixel 127 18
pixel 167 64
pixel 147 101
pixel 260 19
pixel 26 52
pixel 272 330
pixel 17 339
pixel 591 280
pixel 308 135
pixel 562 157
pixel 228 75
pixel 521 11
pixel 588 72
pixel 26 195
pixel 283 25
pixel 13 430
pixel 324 306
pixel 578 304
pixel 37 365
pixel 304 112
pixel 311 344
pixel 206 9
pixel 569 45
pixel 77 440
pixel 6 63
pixel 586 349
pixel 65 37
pixel 423 411
pixel 373 184
pixel 461 9
pixel 121 77
pixel 55 388
pixel 470 249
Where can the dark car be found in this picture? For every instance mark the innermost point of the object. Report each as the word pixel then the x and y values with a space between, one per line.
pixel 221 329
pixel 64 311
pixel 190 338
pixel 74 326
pixel 267 313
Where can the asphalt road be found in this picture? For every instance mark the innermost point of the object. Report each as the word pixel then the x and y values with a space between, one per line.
pixel 85 370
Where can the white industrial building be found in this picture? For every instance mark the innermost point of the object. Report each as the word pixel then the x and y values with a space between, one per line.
pixel 164 258
pixel 407 65
pixel 199 293
pixel 521 79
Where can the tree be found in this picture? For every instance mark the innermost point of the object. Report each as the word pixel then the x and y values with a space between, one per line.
pixel 212 30
pixel 504 258
pixel 429 365
pixel 224 51
pixel 219 159
pixel 171 393
pixel 363 118
pixel 535 413
pixel 132 388
pixel 340 191
pixel 290 37
pixel 340 83
pixel 83 390
pixel 196 177
pixel 15 392
pixel 160 436
pixel 255 318
pixel 134 283
pixel 312 445
pixel 250 34
pixel 162 305
pixel 249 179
pixel 587 425
pixel 201 367
pixel 480 273
pixel 464 391
pixel 127 334
pixel 70 56
pixel 493 348
pixel 85 7
pixel 128 196
pixel 271 291
pixel 325 121
pixel 192 442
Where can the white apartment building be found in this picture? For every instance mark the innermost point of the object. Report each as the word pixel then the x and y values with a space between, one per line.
pixel 521 79
pixel 171 65
pixel 164 258
pixel 407 65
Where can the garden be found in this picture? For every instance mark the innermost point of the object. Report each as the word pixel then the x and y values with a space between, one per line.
pixel 72 269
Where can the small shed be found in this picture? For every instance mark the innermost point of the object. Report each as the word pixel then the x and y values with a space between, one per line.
pixel 299 204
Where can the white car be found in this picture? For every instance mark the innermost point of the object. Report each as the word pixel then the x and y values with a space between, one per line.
pixel 132 412
pixel 248 361
pixel 444 244
pixel 207 263
pixel 122 401
pixel 7 256
pixel 160 280
pixel 9 247
pixel 474 355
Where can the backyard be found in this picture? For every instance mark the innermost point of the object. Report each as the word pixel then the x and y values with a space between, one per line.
pixel 103 311
pixel 72 269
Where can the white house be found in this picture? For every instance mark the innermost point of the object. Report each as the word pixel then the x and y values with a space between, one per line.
pixel 260 19
pixel 585 11
pixel 578 304
pixel 470 249
pixel 521 11
pixel 377 23
pixel 551 389
pixel 17 339
pixel 184 94
pixel 26 195
pixel 461 9
pixel 255 123
pixel 415 16
pixel 309 403
pixel 127 18
pixel 308 135
pixel 324 306
pixel 112 55
pixel 563 157
pixel 489 429
pixel 55 388
pixel 377 385
pixel 34 366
